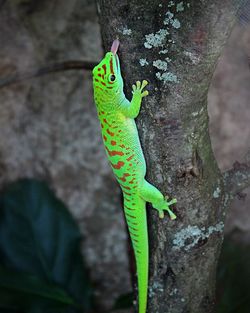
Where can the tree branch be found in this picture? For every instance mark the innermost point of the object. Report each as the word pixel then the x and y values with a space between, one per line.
pixel 237 178
pixel 37 72
pixel 176 49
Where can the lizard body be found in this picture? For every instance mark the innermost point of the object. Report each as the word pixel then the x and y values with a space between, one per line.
pixel 123 149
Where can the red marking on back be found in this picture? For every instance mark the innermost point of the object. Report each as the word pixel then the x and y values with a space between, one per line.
pixel 113 143
pixel 114 152
pixel 110 133
pixel 130 164
pixel 125 187
pixel 122 146
pixel 101 125
pixel 99 68
pixel 102 112
pixel 135 229
pixel 123 177
pixel 103 83
pixel 130 158
pixel 126 193
pixel 99 75
pixel 131 182
pixel 119 131
pixel 105 69
pixel 132 216
pixel 104 138
pixel 126 207
pixel 105 121
pixel 96 80
pixel 133 234
pixel 118 165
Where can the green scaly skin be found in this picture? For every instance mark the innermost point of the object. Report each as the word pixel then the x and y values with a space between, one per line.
pixel 123 148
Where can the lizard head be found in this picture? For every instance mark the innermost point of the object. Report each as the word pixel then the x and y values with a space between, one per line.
pixel 107 74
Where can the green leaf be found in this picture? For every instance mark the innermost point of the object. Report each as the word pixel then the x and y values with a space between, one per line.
pixel 233 278
pixel 124 301
pixel 39 236
pixel 31 285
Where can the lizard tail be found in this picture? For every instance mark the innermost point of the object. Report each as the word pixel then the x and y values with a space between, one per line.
pixel 135 213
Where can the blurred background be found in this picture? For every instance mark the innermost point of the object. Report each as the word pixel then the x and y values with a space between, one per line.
pixel 49 132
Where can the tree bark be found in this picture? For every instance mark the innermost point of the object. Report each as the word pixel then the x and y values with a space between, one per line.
pixel 175 46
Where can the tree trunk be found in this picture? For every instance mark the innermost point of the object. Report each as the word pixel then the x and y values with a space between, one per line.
pixel 175 46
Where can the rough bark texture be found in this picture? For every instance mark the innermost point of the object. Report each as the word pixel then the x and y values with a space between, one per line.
pixel 177 54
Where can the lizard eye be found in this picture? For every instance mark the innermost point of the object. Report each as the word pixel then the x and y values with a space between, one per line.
pixel 112 78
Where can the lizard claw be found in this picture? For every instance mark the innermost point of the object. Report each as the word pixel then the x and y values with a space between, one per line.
pixel 161 214
pixel 138 84
pixel 144 93
pixel 144 83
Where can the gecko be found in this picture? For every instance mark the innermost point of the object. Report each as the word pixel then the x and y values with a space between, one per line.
pixel 122 144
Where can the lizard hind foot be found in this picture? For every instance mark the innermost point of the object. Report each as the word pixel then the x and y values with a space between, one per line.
pixel 164 206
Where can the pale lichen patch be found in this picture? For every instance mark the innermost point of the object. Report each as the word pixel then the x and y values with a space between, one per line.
pixel 126 31
pixel 192 56
pixel 180 7
pixel 167 77
pixel 168 18
pixel 195 114
pixel 176 23
pixel 173 292
pixel 155 40
pixel 190 236
pixel 143 62
pixel 161 65
pixel 165 51
pixel 154 289
pixel 216 193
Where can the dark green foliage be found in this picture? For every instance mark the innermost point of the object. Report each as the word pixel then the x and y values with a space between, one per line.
pixel 233 286
pixel 41 265
pixel 124 301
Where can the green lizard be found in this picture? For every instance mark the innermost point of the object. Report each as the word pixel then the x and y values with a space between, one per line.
pixel 123 148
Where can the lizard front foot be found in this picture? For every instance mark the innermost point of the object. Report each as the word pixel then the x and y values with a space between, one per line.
pixel 138 89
